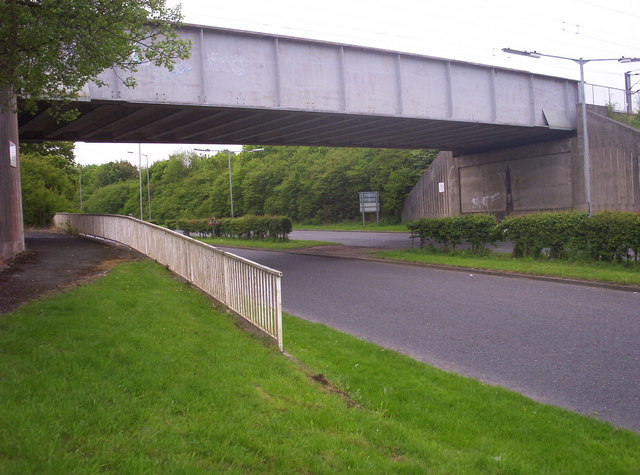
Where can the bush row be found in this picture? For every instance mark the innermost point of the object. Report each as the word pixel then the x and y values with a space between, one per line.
pixel 256 227
pixel 247 227
pixel 607 236
pixel 476 229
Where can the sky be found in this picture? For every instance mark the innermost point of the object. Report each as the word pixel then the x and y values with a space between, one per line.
pixel 466 30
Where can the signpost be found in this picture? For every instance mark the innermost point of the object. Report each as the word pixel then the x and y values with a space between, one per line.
pixel 370 203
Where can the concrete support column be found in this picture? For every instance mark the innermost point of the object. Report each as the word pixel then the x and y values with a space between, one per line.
pixel 11 220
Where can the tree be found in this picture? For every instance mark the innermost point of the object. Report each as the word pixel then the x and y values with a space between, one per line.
pixel 115 172
pixel 52 48
pixel 59 149
pixel 48 185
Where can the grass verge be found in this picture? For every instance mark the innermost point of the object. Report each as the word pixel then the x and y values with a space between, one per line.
pixel 628 274
pixel 351 226
pixel 136 373
pixel 263 243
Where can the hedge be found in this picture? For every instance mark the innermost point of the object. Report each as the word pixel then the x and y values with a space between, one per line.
pixel 607 236
pixel 256 227
pixel 476 229
pixel 561 233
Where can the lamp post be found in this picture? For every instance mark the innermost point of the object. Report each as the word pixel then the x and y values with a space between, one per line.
pixel 81 204
pixel 148 185
pixel 229 152
pixel 583 108
pixel 140 176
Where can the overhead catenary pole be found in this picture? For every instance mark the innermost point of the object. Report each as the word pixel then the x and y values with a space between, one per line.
pixel 583 110
pixel 627 91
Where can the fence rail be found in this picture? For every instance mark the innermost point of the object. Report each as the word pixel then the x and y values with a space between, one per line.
pixel 251 290
pixel 613 97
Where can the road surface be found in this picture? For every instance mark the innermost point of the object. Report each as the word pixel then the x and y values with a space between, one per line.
pixel 382 240
pixel 395 240
pixel 573 346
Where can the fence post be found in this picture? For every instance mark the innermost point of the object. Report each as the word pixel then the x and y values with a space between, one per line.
pixel 279 311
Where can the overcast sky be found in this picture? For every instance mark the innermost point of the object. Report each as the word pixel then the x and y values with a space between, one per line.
pixel 467 30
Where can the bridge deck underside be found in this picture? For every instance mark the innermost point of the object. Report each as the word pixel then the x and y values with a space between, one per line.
pixel 112 121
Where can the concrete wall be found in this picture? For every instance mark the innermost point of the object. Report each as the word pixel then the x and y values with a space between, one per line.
pixel 615 165
pixel 430 199
pixel 540 177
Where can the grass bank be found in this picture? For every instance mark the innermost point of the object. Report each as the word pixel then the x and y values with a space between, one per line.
pixel 263 243
pixel 136 373
pixel 626 274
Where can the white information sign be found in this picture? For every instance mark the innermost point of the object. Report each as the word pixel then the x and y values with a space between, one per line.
pixel 13 154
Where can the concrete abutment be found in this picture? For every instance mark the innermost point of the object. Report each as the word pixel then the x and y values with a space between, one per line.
pixel 540 177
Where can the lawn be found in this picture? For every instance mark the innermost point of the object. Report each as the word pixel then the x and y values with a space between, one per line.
pixel 625 274
pixel 137 373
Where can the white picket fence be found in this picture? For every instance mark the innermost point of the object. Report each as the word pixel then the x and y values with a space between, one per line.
pixel 251 290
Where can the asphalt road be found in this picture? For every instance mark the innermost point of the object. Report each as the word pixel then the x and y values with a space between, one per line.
pixel 383 240
pixel 394 240
pixel 573 346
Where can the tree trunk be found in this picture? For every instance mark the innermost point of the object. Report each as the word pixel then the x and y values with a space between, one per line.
pixel 11 220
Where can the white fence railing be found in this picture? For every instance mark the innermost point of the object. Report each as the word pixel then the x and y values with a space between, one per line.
pixel 251 290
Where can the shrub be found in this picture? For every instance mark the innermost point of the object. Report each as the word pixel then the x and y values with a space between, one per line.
pixel 560 233
pixel 451 231
pixel 478 230
pixel 191 226
pixel 611 235
pixel 257 227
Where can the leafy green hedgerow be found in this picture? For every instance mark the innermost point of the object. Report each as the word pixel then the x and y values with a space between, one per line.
pixel 478 230
pixel 605 237
pixel 561 233
pixel 256 227
pixel 245 227
pixel 610 236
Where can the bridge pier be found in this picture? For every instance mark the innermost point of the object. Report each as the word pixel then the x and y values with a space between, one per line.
pixel 11 219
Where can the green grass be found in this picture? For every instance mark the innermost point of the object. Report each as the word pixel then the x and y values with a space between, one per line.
pixel 630 120
pixel 628 274
pixel 351 226
pixel 263 243
pixel 136 373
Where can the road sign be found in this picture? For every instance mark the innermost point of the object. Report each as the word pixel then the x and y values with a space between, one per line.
pixel 370 203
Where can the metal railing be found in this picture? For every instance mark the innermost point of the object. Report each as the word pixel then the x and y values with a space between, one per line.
pixel 251 290
pixel 611 96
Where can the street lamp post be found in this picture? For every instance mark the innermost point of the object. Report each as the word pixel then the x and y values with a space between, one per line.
pixel 229 152
pixel 81 204
pixel 583 108
pixel 140 154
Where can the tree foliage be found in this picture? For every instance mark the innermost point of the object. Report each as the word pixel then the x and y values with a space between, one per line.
pixel 312 184
pixel 49 185
pixel 52 48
